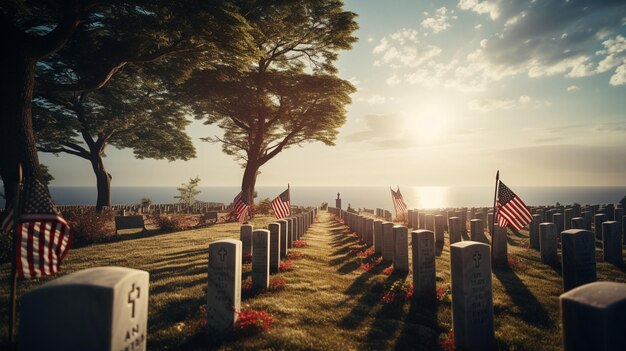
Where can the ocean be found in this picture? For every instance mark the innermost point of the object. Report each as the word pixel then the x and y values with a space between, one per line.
pixel 357 196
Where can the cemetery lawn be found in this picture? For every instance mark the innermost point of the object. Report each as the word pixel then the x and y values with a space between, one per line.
pixel 328 302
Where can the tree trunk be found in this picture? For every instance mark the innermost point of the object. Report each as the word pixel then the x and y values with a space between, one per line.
pixel 249 180
pixel 17 140
pixel 103 182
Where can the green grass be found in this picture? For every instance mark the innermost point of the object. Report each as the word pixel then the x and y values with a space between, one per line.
pixel 329 302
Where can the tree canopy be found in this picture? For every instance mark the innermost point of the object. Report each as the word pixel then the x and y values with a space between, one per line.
pixel 290 93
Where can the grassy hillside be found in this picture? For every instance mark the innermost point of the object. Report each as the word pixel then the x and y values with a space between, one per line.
pixel 328 302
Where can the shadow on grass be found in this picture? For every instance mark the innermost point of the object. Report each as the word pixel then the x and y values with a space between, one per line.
pixel 530 309
pixel 420 327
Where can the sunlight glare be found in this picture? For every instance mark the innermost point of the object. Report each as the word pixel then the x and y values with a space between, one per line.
pixel 429 197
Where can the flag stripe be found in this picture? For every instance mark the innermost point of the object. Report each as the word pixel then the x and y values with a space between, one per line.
pixel 511 210
pixel 398 201
pixel 282 205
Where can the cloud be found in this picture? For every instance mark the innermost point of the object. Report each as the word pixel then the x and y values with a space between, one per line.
pixel 393 80
pixel 573 88
pixel 403 49
pixel 546 38
pixel 481 7
pixel 491 104
pixel 384 131
pixel 438 23
pixel 372 99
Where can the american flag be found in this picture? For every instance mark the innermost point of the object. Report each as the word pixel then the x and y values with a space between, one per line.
pixel 398 201
pixel 42 237
pixel 511 209
pixel 282 205
pixel 241 208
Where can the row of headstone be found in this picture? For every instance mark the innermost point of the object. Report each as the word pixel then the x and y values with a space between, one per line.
pixel 133 209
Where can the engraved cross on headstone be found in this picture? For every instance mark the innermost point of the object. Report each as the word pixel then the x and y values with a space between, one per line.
pixel 477 256
pixel 222 253
pixel 132 296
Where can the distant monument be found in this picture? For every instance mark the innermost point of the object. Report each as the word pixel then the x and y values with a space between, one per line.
pixel 338 202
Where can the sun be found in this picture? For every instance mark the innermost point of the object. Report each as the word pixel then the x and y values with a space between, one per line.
pixel 428 123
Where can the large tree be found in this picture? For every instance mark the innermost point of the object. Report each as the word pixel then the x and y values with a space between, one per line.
pixel 290 93
pixel 117 33
pixel 136 110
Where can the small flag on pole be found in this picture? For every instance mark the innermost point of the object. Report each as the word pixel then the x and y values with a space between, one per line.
pixel 241 208
pixel 398 201
pixel 511 210
pixel 282 205
pixel 42 237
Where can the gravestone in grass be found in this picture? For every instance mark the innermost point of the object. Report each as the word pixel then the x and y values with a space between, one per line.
pixel 578 223
pixel 593 317
pixel 260 259
pixel 424 272
pixel 472 297
pixel 401 248
pixel 548 243
pixel 439 229
pixel 369 231
pixel 284 230
pixel 292 231
pixel 274 229
pixel 612 243
pixel 388 241
pixel 421 220
pixel 378 237
pixel 245 235
pixel 477 231
pixel 533 231
pixel 500 246
pixel 619 214
pixel 455 229
pixel 578 258
pixel 430 222
pixel 224 285
pixel 103 308
pixel 598 219
pixel 568 215
pixel 559 221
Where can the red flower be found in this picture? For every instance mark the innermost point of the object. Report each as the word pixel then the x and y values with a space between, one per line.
pixel 398 292
pixel 251 321
pixel 246 259
pixel 295 256
pixel 246 285
pixel 277 284
pixel 388 271
pixel 299 243
pixel 446 341
pixel 285 266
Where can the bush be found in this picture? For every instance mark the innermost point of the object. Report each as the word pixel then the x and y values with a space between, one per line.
pixel 90 227
pixel 264 206
pixel 170 223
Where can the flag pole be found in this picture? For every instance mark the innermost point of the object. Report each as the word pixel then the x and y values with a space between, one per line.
pixel 493 222
pixel 16 216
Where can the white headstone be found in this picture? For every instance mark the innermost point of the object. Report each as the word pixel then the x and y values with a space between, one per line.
pixel 284 230
pixel 224 285
pixel 578 258
pixel 472 296
pixel 424 269
pixel 401 248
pixel 593 317
pixel 103 308
pixel 387 241
pixel 548 243
pixel 245 235
pixel 274 229
pixel 612 243
pixel 260 259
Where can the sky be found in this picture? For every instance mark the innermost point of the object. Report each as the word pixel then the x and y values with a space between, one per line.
pixel 448 92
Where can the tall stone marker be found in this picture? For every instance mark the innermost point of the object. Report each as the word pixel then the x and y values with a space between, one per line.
pixel 500 246
pixel 284 232
pixel 472 296
pixel 439 229
pixel 224 285
pixel 593 317
pixel 387 241
pixel 400 248
pixel 260 259
pixel 612 243
pixel 424 272
pixel 274 229
pixel 548 243
pixel 578 257
pixel 455 229
pixel 245 235
pixel 533 231
pixel 378 236
pixel 477 231
pixel 103 308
